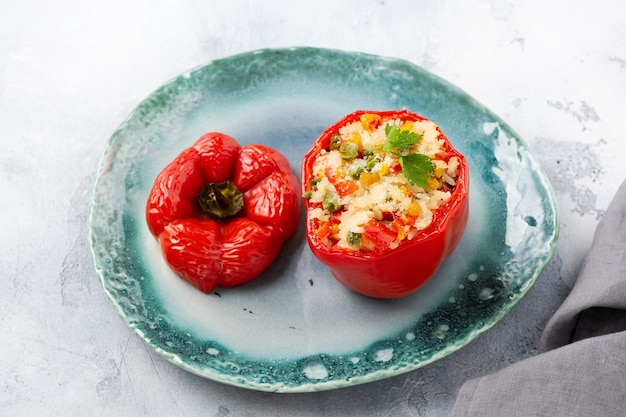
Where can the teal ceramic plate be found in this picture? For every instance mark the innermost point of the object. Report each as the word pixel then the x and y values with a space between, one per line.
pixel 295 329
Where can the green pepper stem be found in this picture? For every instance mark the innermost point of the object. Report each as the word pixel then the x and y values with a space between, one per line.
pixel 220 200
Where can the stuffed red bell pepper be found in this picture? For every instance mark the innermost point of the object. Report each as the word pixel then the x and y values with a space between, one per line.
pixel 222 211
pixel 386 200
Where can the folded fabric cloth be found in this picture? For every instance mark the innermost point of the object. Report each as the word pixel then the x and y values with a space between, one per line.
pixel 581 366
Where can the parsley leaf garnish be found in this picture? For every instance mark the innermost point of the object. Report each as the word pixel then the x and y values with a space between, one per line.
pixel 415 167
pixel 399 139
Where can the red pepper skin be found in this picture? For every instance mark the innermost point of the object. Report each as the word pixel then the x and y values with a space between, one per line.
pixel 226 253
pixel 392 273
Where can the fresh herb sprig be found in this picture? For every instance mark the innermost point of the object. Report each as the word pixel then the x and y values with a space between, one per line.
pixel 415 166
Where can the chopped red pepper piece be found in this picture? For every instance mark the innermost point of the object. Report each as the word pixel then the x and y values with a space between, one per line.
pixel 343 187
pixel 379 235
pixel 395 168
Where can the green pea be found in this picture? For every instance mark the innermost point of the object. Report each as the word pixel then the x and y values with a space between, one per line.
pixel 371 162
pixel 355 171
pixel 354 239
pixel 348 150
pixel 335 140
pixel 331 202
pixel 314 181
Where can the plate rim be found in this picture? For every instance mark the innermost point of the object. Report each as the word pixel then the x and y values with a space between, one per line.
pixel 214 375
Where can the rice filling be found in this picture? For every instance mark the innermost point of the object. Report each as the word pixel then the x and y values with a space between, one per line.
pixel 364 194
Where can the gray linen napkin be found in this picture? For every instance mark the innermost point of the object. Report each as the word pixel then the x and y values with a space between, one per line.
pixel 581 367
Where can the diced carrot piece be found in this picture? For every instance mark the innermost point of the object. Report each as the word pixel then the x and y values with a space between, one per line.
pixel 346 187
pixel 370 121
pixel 414 209
pixel 368 178
pixel 408 125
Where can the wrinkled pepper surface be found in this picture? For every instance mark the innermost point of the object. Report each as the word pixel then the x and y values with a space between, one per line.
pixel 222 211
pixel 397 272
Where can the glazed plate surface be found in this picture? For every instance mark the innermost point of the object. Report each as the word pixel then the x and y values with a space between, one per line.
pixel 294 328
